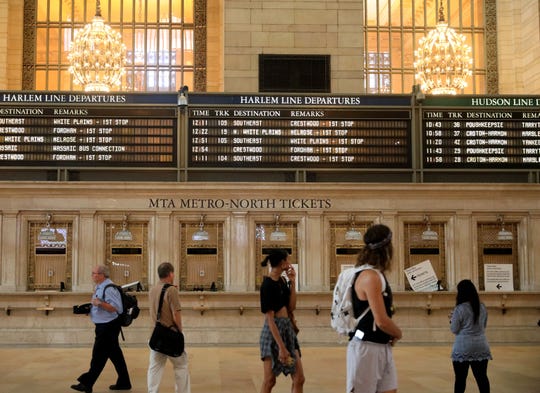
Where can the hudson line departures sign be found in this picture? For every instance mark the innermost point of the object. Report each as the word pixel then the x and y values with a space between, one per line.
pixel 481 132
pixel 70 129
pixel 270 131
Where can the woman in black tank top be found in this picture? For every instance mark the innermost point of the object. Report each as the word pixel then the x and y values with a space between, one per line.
pixel 370 364
pixel 367 324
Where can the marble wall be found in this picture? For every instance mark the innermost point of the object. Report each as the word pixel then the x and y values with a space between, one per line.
pixel 232 315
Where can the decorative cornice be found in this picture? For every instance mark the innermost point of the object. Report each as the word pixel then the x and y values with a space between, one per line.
pixel 29 45
pixel 200 46
pixel 492 70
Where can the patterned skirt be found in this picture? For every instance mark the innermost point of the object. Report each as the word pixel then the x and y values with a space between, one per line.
pixel 269 347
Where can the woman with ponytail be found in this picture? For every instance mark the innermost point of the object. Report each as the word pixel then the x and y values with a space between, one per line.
pixel 370 363
pixel 280 351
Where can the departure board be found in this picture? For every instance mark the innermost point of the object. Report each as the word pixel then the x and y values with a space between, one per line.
pixel 319 132
pixel 481 132
pixel 85 130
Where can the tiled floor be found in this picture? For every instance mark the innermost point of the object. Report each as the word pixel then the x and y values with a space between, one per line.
pixel 425 369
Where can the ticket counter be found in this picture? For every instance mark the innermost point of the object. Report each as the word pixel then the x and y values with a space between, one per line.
pixel 50 255
pixel 426 242
pixel 218 264
pixel 127 251
pixel 201 250
pixel 498 248
pixel 347 241
pixel 271 235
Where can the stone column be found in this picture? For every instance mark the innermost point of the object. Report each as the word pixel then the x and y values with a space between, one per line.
pixel 314 268
pixel 165 238
pixel 239 267
pixel 529 248
pixel 8 250
pixel 85 246
pixel 464 264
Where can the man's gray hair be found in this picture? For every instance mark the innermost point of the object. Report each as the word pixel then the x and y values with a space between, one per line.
pixel 105 270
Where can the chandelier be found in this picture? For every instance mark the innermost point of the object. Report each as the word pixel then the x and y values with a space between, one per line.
pixel 97 55
pixel 443 60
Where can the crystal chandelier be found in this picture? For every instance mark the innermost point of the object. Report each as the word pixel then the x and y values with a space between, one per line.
pixel 97 55
pixel 443 60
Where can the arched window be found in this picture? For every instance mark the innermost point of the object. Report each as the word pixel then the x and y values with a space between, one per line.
pixel 159 36
pixel 394 27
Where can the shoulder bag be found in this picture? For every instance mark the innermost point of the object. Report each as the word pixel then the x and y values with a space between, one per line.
pixel 166 340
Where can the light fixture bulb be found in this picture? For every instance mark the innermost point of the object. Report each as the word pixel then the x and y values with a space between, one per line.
pixel 277 235
pixel 47 234
pixel 352 234
pixel 124 234
pixel 201 234
pixel 429 234
pixel 504 235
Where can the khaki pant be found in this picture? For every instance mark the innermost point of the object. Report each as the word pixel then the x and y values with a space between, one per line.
pixel 157 366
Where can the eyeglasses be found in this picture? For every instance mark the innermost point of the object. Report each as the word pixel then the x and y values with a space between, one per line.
pixel 94 273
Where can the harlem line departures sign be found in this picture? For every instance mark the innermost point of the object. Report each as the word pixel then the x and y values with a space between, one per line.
pixel 265 131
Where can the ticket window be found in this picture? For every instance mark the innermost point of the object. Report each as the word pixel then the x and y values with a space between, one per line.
pixel 347 242
pixel 285 237
pixel 201 266
pixel 418 249
pixel 496 251
pixel 50 256
pixel 127 258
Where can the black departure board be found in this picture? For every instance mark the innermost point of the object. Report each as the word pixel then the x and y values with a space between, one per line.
pixel 481 132
pixel 80 130
pixel 299 132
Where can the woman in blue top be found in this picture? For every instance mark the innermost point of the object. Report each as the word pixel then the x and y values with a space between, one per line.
pixel 468 322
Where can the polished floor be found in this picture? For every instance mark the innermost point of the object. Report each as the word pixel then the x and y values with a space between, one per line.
pixel 425 369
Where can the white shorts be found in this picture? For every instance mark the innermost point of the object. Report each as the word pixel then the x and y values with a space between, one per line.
pixel 370 367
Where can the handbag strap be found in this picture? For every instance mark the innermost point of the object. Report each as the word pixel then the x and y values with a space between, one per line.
pixel 161 297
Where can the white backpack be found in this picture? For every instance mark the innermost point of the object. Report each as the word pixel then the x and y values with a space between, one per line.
pixel 342 317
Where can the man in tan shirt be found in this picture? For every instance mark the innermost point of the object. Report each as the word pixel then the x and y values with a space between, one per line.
pixel 171 317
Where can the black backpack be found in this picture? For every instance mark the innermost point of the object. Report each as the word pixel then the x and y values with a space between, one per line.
pixel 129 304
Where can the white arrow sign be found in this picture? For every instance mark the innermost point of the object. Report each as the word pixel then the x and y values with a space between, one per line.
pixel 498 277
pixel 422 277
